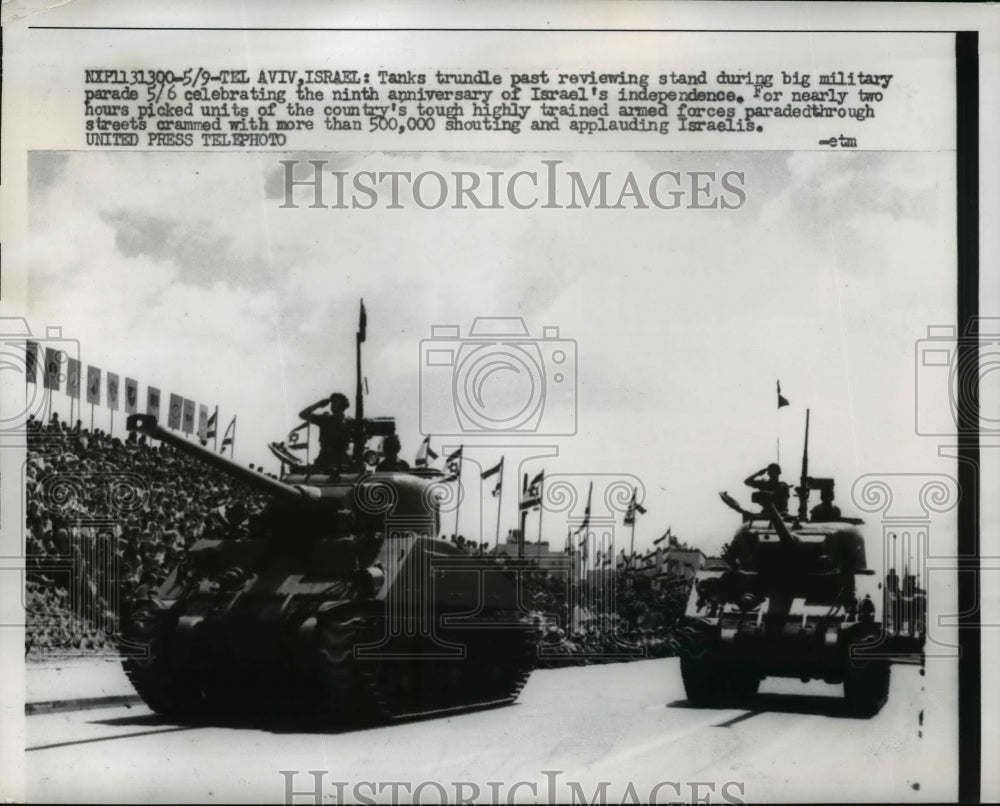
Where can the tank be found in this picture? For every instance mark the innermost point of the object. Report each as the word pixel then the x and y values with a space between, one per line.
pixel 795 598
pixel 337 598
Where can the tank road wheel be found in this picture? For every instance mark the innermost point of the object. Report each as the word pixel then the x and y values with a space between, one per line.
pixel 866 688
pixel 349 685
pixel 173 693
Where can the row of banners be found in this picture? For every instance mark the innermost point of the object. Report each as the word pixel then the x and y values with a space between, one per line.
pixel 62 373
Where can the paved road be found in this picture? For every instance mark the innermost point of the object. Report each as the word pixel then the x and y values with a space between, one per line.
pixel 626 724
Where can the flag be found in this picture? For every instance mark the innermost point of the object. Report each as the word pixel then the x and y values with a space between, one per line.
pixel 585 524
pixel 531 494
pixel 454 462
pixel 362 323
pixel 210 428
pixel 187 417
pixel 202 421
pixel 153 401
pixel 112 391
pixel 782 400
pixel 174 417
pixel 666 534
pixel 131 395
pixel 425 453
pixel 282 454
pixel 492 471
pixel 294 437
pixel 30 361
pixel 498 472
pixel 53 364
pixel 633 508
pixel 73 378
pixel 94 385
pixel 230 436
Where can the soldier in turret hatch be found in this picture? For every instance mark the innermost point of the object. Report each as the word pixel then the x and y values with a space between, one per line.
pixel 391 462
pixel 771 484
pixel 826 510
pixel 334 431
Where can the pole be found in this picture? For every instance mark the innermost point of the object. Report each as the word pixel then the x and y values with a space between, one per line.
pixel 111 423
pixel 541 509
pixel 215 434
pixel 91 418
pixel 359 399
pixel 499 504
pixel 458 495
pixel 804 480
pixel 523 514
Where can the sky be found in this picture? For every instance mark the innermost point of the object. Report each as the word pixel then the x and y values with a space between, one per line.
pixel 183 271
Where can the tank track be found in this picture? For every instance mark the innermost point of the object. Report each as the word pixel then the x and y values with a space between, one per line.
pixel 163 689
pixel 383 689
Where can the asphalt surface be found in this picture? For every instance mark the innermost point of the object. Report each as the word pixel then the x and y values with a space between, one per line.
pixel 628 725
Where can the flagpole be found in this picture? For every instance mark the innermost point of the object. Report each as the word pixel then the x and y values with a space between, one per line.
pixel 499 501
pixel 91 418
pixel 111 423
pixel 522 520
pixel 215 432
pixel 359 399
pixel 541 509
pixel 458 494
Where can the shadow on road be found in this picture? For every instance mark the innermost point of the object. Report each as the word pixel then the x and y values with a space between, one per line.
pixel 283 722
pixel 834 707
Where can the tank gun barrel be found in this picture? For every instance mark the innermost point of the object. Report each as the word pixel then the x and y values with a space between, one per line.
pixel 786 537
pixel 147 425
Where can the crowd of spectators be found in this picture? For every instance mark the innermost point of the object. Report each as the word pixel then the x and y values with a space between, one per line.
pixel 106 519
pixel 577 627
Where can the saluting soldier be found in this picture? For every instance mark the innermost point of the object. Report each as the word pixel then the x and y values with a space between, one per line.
pixel 768 480
pixel 334 431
